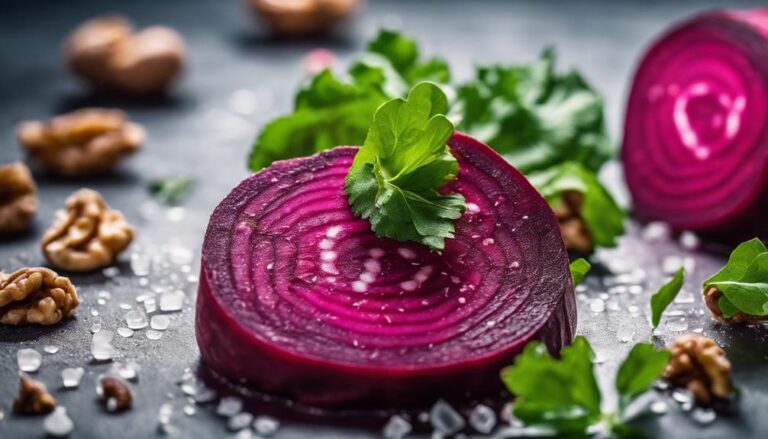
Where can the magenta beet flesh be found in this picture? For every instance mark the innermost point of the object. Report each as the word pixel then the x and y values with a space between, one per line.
pixel 299 298
pixel 696 135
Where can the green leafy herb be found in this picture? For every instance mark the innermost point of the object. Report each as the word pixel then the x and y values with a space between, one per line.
pixel 330 111
pixel 394 178
pixel 603 217
pixel 171 190
pixel 535 116
pixel 643 366
pixel 563 394
pixel 743 281
pixel 666 294
pixel 579 269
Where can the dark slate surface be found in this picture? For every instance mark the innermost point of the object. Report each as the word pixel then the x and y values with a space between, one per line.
pixel 196 132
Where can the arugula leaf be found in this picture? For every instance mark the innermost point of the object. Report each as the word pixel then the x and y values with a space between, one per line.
pixel 579 269
pixel 743 281
pixel 603 217
pixel 330 111
pixel 394 178
pixel 536 117
pixel 666 294
pixel 171 190
pixel 562 394
pixel 640 369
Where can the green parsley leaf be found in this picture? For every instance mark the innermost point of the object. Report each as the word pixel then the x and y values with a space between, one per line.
pixel 739 261
pixel 603 217
pixel 171 190
pixel 536 117
pixel 330 111
pixel 666 294
pixel 743 281
pixel 562 394
pixel 394 178
pixel 579 269
pixel 640 369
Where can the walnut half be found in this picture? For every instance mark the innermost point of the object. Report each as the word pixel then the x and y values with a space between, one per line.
pixel 86 235
pixel 711 299
pixel 18 198
pixel 36 295
pixel 33 398
pixel 108 53
pixel 572 225
pixel 700 365
pixel 302 17
pixel 83 142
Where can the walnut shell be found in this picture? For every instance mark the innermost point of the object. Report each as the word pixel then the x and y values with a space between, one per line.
pixel 86 235
pixel 115 394
pixel 302 17
pixel 33 398
pixel 108 53
pixel 36 295
pixel 84 142
pixel 18 198
pixel 700 365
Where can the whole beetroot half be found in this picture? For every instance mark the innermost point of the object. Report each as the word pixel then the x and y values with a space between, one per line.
pixel 696 134
pixel 299 298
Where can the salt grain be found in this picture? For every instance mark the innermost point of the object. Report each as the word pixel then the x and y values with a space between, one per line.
pixel 125 332
pixel 29 360
pixel 172 301
pixel 445 419
pixel 229 406
pixel 70 377
pixel 160 322
pixel 58 423
pixel 396 428
pixel 482 418
pixel 266 425
pixel 136 319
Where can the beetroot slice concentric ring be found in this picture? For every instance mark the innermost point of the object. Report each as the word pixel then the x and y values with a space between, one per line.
pixel 696 135
pixel 299 298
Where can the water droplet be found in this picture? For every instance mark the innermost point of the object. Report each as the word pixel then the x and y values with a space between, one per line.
pixel 58 423
pixel 95 327
pixel 396 428
pixel 240 421
pixel 125 332
pixel 625 333
pixel 597 305
pixel 110 272
pixel 704 415
pixel 141 263
pixel 482 418
pixel 678 325
pixel 189 410
pixel 689 240
pixel 659 407
pixel 406 253
pixel 29 360
pixel 136 319
pixel 266 425
pixel 153 334
pixel 71 376
pixel 656 231
pixel 164 414
pixel 445 419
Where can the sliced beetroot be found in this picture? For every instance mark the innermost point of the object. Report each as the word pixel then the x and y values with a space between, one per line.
pixel 299 298
pixel 696 135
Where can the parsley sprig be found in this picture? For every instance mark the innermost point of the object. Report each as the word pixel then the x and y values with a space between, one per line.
pixel 562 395
pixel 394 178
pixel 743 281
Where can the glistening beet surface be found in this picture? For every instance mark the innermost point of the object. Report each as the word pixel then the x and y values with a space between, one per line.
pixel 696 136
pixel 299 298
